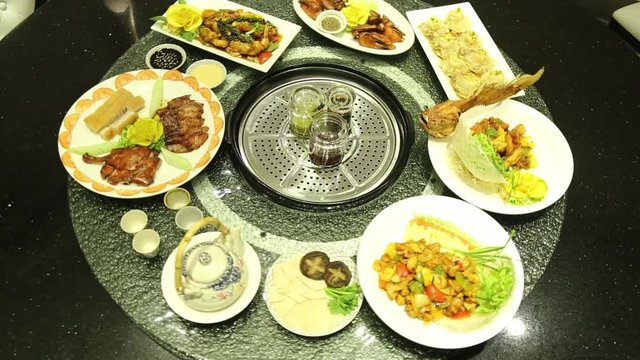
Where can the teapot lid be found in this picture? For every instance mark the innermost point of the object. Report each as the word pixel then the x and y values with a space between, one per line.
pixel 205 262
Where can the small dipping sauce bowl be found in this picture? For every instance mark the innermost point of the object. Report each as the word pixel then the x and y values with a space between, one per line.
pixel 146 243
pixel 187 216
pixel 176 199
pixel 133 221
pixel 166 57
pixel 210 73
pixel 331 21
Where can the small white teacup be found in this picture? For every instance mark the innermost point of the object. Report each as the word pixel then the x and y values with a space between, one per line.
pixel 146 243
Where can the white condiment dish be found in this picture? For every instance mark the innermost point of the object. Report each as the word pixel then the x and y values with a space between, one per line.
pixel 187 216
pixel 133 221
pixel 146 243
pixel 289 294
pixel 331 14
pixel 161 47
pixel 210 73
pixel 176 199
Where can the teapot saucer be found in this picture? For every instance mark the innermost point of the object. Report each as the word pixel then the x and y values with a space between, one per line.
pixel 177 304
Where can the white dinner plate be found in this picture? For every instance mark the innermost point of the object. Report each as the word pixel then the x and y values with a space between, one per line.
pixel 74 133
pixel 389 226
pixel 287 29
pixel 346 39
pixel 551 150
pixel 177 304
pixel 417 17
pixel 280 318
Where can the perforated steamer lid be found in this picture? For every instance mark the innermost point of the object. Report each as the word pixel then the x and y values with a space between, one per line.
pixel 276 162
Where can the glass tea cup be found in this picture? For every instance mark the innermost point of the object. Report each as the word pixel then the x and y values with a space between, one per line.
pixel 340 100
pixel 327 139
pixel 304 103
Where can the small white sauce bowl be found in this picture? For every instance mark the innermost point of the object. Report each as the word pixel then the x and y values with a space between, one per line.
pixel 176 199
pixel 183 55
pixel 146 243
pixel 187 216
pixel 333 14
pixel 219 66
pixel 133 221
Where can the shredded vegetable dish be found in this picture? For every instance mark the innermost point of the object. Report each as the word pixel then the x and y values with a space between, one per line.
pixel 433 276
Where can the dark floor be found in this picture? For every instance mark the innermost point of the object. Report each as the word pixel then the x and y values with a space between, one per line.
pixel 601 10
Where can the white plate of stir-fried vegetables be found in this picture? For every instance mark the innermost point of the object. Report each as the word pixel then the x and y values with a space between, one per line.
pixel 440 272
pixel 232 31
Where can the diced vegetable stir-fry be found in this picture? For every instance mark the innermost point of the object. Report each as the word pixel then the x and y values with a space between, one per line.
pixel 439 272
pixel 428 282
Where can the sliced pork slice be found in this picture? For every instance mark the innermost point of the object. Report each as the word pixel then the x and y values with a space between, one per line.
pixel 183 124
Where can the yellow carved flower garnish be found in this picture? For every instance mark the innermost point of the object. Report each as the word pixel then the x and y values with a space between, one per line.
pixel 184 16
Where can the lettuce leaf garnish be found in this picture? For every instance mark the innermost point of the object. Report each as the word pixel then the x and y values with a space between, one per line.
pixel 342 301
pixel 490 152
pixel 495 288
pixel 478 155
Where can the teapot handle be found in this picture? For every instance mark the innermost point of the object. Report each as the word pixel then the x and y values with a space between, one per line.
pixel 185 241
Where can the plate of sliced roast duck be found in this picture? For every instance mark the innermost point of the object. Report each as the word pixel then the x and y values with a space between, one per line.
pixel 373 26
pixel 141 133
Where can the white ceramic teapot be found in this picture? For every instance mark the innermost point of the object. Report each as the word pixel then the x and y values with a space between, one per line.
pixel 210 272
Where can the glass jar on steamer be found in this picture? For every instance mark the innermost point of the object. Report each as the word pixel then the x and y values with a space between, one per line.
pixel 328 136
pixel 304 103
pixel 340 100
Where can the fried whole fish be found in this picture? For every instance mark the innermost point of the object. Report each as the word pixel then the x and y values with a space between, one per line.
pixel 441 120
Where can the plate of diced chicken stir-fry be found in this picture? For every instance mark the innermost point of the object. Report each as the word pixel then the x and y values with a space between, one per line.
pixel 440 272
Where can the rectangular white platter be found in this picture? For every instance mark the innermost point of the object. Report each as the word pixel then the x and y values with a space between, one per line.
pixel 417 17
pixel 287 29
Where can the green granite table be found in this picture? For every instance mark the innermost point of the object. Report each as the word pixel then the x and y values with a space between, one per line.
pixel 74 289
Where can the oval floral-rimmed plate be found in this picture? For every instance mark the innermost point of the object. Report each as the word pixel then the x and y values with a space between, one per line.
pixel 177 304
pixel 334 323
pixel 551 150
pixel 74 133
pixel 389 226
pixel 345 38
